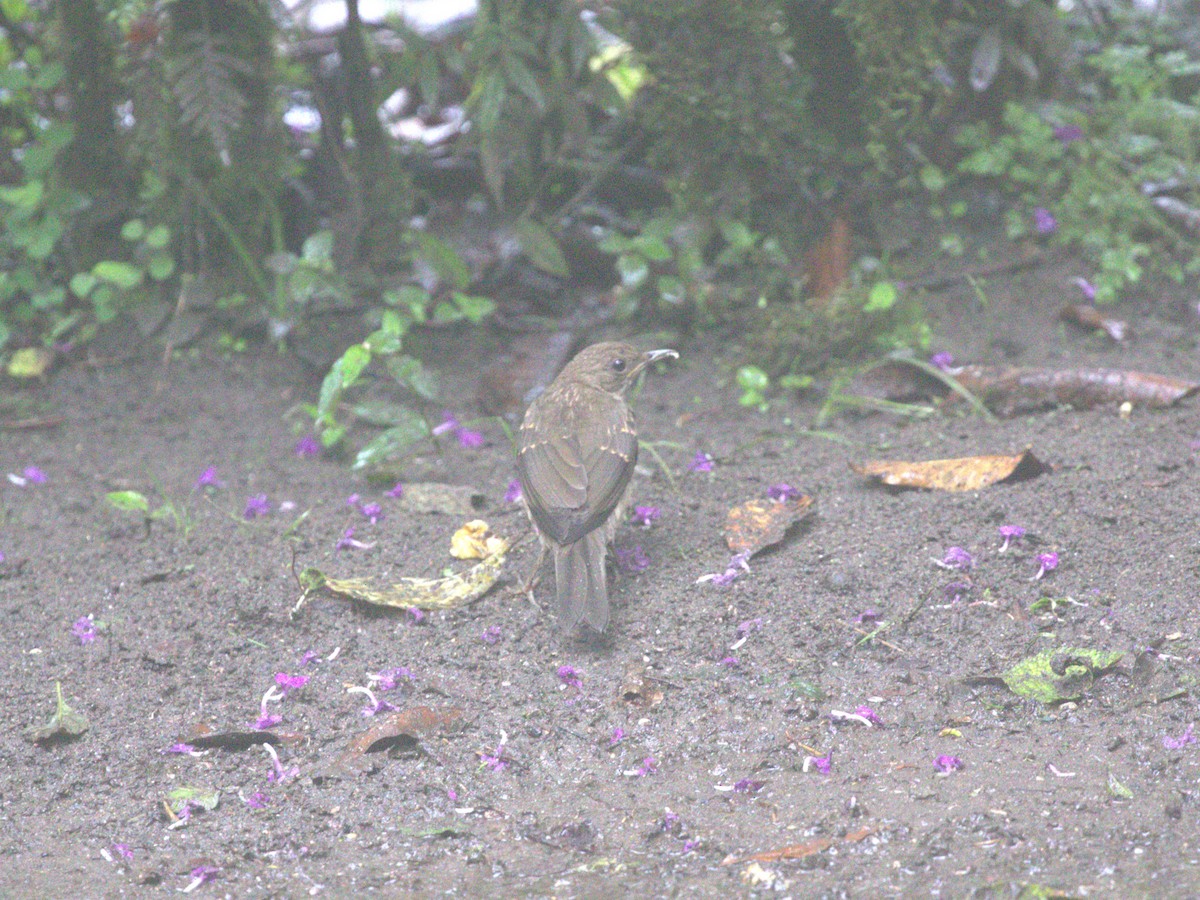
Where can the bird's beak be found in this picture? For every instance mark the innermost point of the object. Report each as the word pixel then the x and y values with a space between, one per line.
pixel 656 355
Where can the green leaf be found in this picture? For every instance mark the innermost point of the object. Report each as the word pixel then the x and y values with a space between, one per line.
pixel 133 230
pixel 523 80
pixel 1118 790
pixel 128 501
pixel 26 197
pixel 50 298
pixel 409 299
pixel 541 247
pixel 444 260
pixel 652 247
pixel 393 442
pixel 158 237
pixel 122 275
pixel 161 266
pixel 491 102
pixel 333 435
pixel 318 248
pixel 752 378
pixel 356 358
pixel 671 289
pixel 474 309
pixel 412 374
pixel 882 296
pixel 632 269
pixel 1054 676
pixel 379 413
pixel 45 235
pixel 189 795
pixel 63 725
pixel 104 303
pixel 14 79
pixel 49 76
pixel 327 400
pixel 445 311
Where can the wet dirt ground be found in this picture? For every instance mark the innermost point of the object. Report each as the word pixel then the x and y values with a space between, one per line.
pixel 689 739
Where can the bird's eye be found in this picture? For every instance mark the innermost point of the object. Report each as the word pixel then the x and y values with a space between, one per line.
pixel 617 365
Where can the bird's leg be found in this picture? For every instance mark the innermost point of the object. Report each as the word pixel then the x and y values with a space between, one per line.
pixel 535 576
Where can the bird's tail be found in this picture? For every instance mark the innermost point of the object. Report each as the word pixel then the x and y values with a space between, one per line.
pixel 582 583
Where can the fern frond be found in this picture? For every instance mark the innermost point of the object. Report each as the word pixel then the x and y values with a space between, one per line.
pixel 204 83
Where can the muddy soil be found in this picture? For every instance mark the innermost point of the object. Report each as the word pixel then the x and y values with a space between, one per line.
pixel 689 739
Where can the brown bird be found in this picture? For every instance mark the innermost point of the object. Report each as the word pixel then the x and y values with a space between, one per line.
pixel 578 447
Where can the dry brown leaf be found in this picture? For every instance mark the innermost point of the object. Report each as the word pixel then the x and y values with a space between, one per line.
pixel 760 523
pixel 637 689
pixel 827 264
pixel 1088 316
pixel 968 473
pixel 1008 390
pixel 798 851
pixel 791 851
pixel 398 726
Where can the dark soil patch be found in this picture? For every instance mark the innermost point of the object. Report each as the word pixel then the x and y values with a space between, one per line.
pixel 196 626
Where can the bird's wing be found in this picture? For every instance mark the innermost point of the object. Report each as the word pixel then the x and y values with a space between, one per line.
pixel 553 476
pixel 610 453
pixel 575 479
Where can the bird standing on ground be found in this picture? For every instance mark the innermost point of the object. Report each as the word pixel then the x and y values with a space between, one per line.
pixel 578 446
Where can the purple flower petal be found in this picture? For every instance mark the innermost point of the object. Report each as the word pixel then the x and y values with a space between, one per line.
pixel 1087 288
pixel 257 800
pixel 645 516
pixel 945 763
pixel 290 682
pixel 821 763
pixel 570 676
pixel 1047 562
pixel 34 475
pixel 956 558
pixel 955 591
pixel 750 625
pixel 372 511
pixel 869 714
pixel 347 542
pixel 1068 134
pixel 123 851
pixel 942 360
pixel 208 479
pixel 514 493
pixel 701 462
pixel 649 767
pixel 84 629
pixel 782 491
pixel 632 560
pixel 1011 534
pixel 307 446
pixel 618 735
pixel 469 438
pixel 1178 743
pixel 256 506
pixel 396 492
pixel 1044 221
pixel 390 679
pixel 491 635
pixel 200 875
